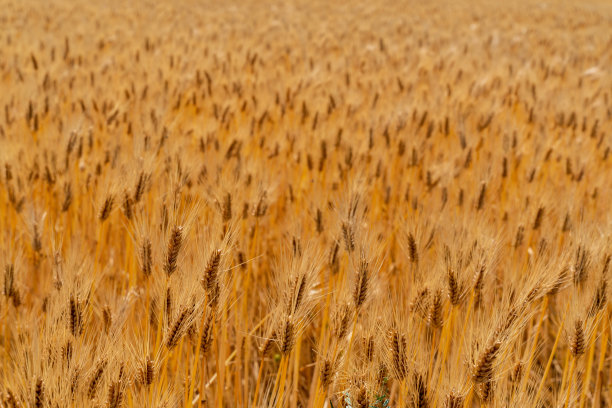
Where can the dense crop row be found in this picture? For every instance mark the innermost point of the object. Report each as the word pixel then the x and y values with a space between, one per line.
pixel 303 204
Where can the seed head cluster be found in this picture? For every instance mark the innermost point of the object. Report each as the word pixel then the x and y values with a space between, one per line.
pixel 305 203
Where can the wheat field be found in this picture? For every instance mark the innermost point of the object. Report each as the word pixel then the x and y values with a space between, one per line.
pixel 315 204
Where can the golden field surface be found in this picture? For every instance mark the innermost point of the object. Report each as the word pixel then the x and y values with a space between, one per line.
pixel 305 204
